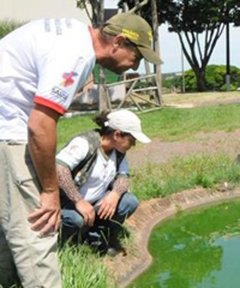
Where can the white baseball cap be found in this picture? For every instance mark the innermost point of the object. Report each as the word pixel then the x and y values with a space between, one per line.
pixel 127 121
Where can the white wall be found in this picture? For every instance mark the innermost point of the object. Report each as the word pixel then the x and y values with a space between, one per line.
pixel 24 10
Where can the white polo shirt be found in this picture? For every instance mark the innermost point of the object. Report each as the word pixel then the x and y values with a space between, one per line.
pixel 45 61
pixel 103 173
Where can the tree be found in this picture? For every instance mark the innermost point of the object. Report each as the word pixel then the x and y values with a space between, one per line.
pixel 215 78
pixel 6 26
pixel 198 24
pixel 93 11
pixel 136 7
pixel 96 16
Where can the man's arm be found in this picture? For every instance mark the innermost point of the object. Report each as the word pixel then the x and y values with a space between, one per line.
pixel 121 185
pixel 42 138
pixel 67 184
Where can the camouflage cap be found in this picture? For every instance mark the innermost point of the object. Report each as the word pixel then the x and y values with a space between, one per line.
pixel 136 30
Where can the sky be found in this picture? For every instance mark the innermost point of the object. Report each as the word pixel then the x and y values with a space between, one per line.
pixel 170 48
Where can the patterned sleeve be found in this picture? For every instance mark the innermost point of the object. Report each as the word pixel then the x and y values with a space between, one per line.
pixel 67 184
pixel 120 185
pixel 121 182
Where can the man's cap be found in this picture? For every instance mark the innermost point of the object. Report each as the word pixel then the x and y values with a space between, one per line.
pixel 136 30
pixel 128 122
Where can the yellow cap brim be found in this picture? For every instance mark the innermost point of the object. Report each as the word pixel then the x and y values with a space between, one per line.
pixel 149 55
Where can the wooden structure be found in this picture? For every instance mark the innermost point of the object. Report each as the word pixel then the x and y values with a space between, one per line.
pixel 141 92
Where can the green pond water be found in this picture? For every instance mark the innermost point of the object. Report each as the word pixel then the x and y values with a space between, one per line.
pixel 197 249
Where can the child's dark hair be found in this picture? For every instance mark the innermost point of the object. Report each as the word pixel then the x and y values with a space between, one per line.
pixel 101 120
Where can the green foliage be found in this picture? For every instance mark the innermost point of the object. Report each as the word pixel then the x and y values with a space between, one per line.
pixel 196 15
pixel 7 26
pixel 215 78
pixel 198 25
pixel 110 76
pixel 93 8
pixel 172 80
pixel 69 127
pixel 190 81
pixel 199 170
pixel 81 3
pixel 82 269
pixel 174 124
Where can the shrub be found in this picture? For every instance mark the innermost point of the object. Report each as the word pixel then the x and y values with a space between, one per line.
pixel 215 78
pixel 6 26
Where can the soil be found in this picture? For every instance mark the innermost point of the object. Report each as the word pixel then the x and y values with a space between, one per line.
pixel 158 151
pixel 125 268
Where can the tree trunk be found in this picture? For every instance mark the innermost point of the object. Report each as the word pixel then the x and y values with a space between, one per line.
pixel 103 93
pixel 200 79
pixel 157 68
pixel 103 97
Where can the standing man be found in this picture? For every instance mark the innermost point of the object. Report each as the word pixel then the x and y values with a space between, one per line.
pixel 42 65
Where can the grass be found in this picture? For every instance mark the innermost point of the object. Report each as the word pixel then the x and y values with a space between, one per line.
pixel 161 180
pixel 6 26
pixel 81 268
pixel 172 124
pixel 169 124
pixel 68 127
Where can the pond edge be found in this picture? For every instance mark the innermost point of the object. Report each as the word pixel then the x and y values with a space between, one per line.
pixel 125 268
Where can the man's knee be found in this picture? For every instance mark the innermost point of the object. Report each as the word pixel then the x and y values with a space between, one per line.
pixel 72 219
pixel 128 204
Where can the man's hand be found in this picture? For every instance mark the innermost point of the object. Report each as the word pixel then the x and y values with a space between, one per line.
pixel 46 219
pixel 107 205
pixel 87 211
pixel 42 137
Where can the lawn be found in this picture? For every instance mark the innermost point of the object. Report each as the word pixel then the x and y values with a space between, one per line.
pixel 170 124
pixel 167 123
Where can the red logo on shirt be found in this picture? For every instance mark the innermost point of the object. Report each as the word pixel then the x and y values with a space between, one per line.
pixel 68 79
